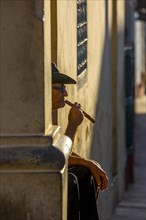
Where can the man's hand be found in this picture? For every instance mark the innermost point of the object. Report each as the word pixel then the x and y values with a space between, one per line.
pixel 75 118
pixel 97 172
pixel 76 115
pixel 99 175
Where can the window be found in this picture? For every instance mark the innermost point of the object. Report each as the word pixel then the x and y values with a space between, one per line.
pixel 81 36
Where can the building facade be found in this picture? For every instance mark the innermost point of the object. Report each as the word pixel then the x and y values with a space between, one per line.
pixel 86 39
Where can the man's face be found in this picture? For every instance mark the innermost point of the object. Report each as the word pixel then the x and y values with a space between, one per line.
pixel 58 94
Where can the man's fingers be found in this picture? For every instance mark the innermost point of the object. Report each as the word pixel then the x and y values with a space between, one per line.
pixel 99 175
pixel 78 105
pixel 98 182
pixel 102 182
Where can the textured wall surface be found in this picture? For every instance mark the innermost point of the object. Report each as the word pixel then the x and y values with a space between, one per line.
pixel 96 94
pixel 26 107
pixel 22 77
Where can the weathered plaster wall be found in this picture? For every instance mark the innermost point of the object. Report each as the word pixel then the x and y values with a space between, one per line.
pixel 22 69
pixel 33 160
pixel 25 71
pixel 96 97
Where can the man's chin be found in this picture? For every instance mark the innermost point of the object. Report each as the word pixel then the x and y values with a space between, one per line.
pixel 62 105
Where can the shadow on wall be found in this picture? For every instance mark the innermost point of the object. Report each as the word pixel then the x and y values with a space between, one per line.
pixel 103 107
pixel 105 133
pixel 101 149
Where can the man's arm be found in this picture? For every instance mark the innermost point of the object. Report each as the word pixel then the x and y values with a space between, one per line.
pixel 75 118
pixel 97 172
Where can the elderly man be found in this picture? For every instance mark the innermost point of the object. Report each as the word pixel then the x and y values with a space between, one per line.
pixel 85 177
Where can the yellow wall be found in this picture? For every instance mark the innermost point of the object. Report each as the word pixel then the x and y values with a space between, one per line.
pixel 25 69
pixel 105 71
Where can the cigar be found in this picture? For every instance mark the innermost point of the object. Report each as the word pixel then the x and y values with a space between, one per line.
pixel 85 114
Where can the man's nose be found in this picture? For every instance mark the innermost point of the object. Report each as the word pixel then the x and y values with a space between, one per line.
pixel 65 93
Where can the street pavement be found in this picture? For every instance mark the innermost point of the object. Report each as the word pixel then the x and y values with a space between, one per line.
pixel 133 204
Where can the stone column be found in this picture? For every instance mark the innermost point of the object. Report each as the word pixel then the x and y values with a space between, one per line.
pixel 33 155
